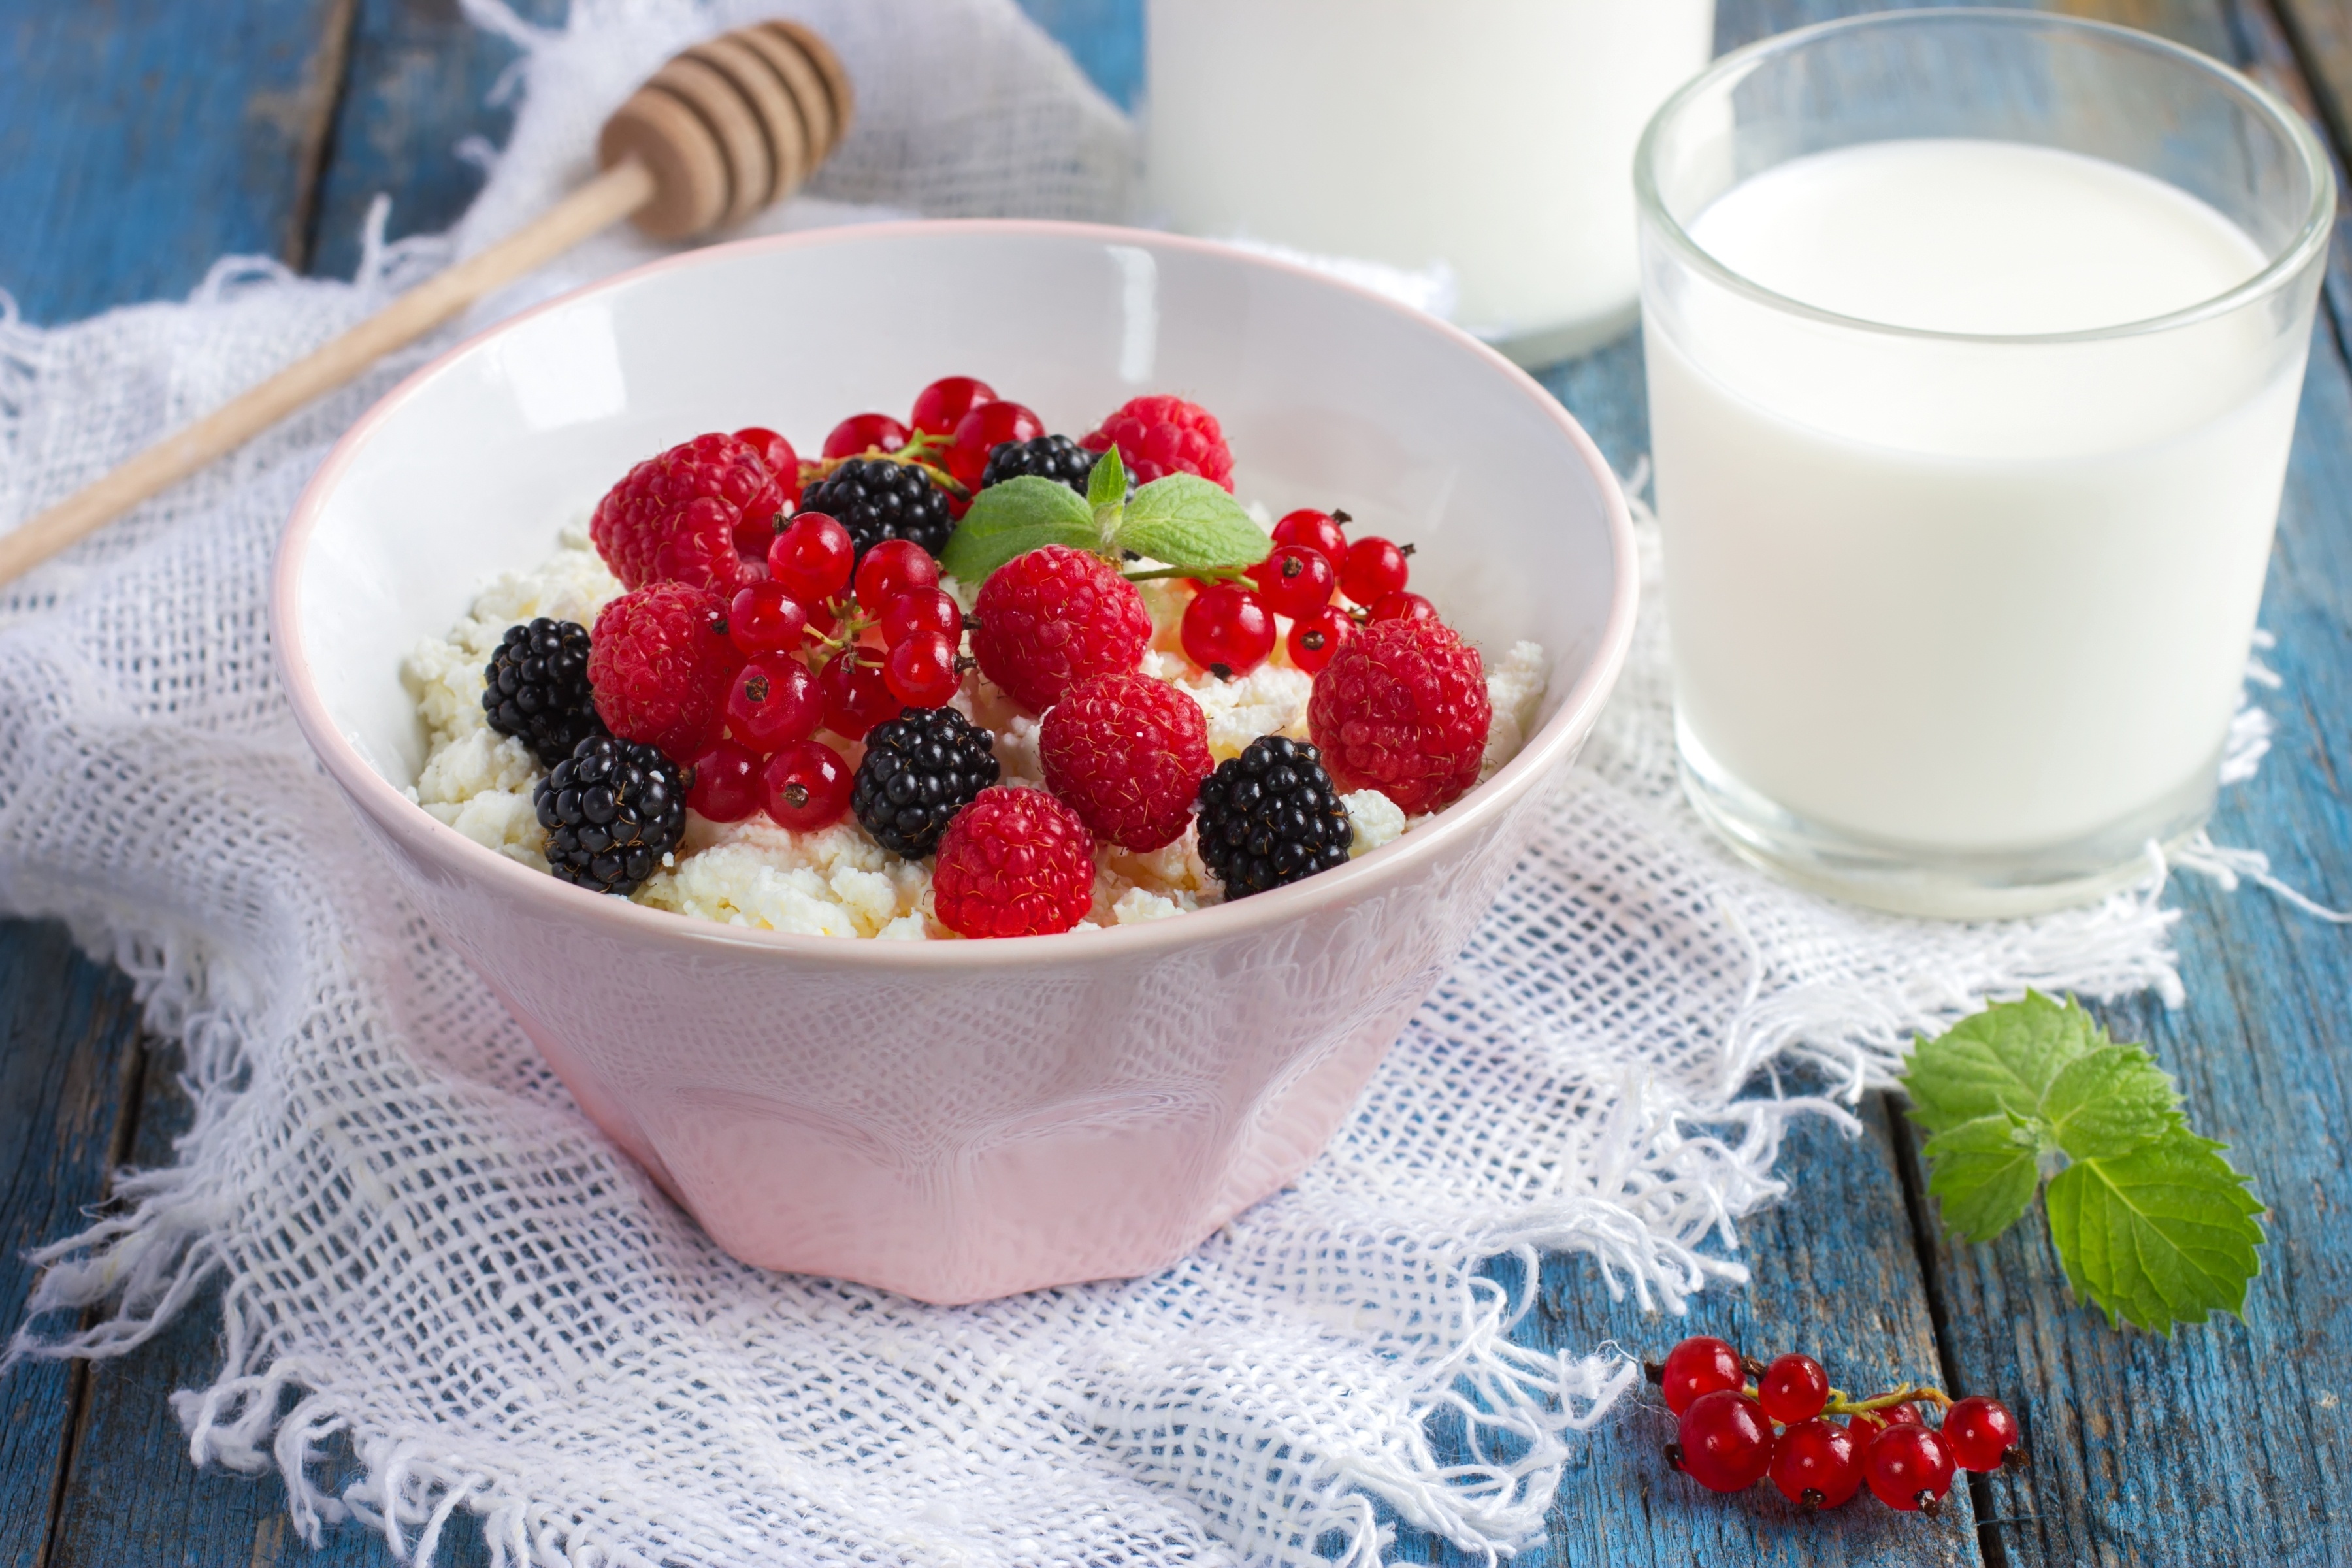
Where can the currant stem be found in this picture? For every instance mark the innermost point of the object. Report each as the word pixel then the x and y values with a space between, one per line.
pixel 1839 1404
pixel 1220 573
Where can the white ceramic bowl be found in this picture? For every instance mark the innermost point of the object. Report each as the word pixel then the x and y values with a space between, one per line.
pixel 960 1120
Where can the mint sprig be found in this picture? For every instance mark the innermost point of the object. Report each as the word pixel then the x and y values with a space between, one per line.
pixel 2152 1225
pixel 1192 527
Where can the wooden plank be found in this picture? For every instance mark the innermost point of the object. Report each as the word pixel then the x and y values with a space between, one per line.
pixel 2227 1443
pixel 133 1497
pixel 1835 1275
pixel 419 83
pixel 2321 32
pixel 69 1060
pixel 141 139
pixel 2230 1443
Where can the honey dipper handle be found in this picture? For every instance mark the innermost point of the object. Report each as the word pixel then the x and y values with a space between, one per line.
pixel 602 201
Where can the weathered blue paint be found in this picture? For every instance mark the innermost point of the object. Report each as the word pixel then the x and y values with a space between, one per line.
pixel 129 158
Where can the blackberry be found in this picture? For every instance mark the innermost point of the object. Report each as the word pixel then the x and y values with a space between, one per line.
pixel 536 687
pixel 611 810
pixel 1047 457
pixel 876 499
pixel 1271 816
pixel 920 769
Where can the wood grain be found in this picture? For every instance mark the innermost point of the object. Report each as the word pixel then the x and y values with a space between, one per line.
pixel 418 86
pixel 69 1058
pixel 141 140
pixel 2225 1445
pixel 1835 1274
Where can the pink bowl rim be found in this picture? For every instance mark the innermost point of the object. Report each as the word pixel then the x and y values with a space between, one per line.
pixel 620 917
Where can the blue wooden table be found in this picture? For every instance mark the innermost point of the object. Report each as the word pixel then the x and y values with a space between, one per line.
pixel 139 139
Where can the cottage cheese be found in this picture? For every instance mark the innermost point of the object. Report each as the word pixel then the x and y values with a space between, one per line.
pixel 838 881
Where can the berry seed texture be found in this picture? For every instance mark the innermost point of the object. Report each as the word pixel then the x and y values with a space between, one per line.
pixel 970 704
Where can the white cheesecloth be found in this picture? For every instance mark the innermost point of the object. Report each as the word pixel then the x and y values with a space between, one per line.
pixel 444 1266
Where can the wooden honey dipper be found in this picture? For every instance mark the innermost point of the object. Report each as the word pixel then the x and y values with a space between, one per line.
pixel 727 128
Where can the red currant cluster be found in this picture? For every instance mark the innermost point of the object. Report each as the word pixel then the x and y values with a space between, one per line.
pixel 1231 627
pixel 1734 1434
pixel 956 422
pixel 887 637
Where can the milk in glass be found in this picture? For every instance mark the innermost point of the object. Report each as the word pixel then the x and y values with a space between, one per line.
pixel 1948 593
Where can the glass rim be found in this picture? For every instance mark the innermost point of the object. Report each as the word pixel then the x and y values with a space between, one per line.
pixel 2310 239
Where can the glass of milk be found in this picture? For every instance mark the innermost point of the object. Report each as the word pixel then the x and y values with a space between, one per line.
pixel 1974 343
pixel 1492 138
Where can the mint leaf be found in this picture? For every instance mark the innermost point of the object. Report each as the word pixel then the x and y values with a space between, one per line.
pixel 1186 522
pixel 2110 1102
pixel 1983 1174
pixel 2151 1222
pixel 2165 1234
pixel 1107 486
pixel 1013 519
pixel 2002 1058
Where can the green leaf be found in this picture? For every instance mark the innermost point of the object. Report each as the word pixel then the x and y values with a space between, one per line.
pixel 1013 519
pixel 2002 1059
pixel 1984 1173
pixel 2110 1102
pixel 1107 486
pixel 1186 522
pixel 2162 1234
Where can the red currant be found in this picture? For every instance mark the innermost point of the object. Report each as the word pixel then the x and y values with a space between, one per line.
pixel 978 433
pixel 1700 1364
pixel 1403 605
pixel 921 671
pixel 778 454
pixel 1294 581
pixel 1726 1443
pixel 857 698
pixel 893 567
pixel 1374 567
pixel 939 405
pixel 1980 1433
pixel 805 786
pixel 862 433
pixel 1226 625
pixel 773 702
pixel 726 786
pixel 1909 1467
pixel 812 558
pixel 1793 1389
pixel 1314 640
pixel 1318 530
pixel 921 610
pixel 1867 1423
pixel 1816 1464
pixel 766 618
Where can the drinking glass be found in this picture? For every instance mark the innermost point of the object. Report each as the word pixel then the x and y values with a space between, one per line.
pixel 1960 616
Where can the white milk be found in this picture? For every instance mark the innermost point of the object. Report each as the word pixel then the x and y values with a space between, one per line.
pixel 1966 596
pixel 1493 136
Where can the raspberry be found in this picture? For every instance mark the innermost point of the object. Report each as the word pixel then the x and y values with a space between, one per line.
pixel 660 662
pixel 920 769
pixel 877 498
pixel 1402 708
pixel 1270 816
pixel 1056 616
pixel 1015 862
pixel 674 518
pixel 1162 435
pixel 1128 753
pixel 611 810
pixel 536 687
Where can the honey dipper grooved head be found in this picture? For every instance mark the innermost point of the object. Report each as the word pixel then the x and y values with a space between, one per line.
pixel 731 126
